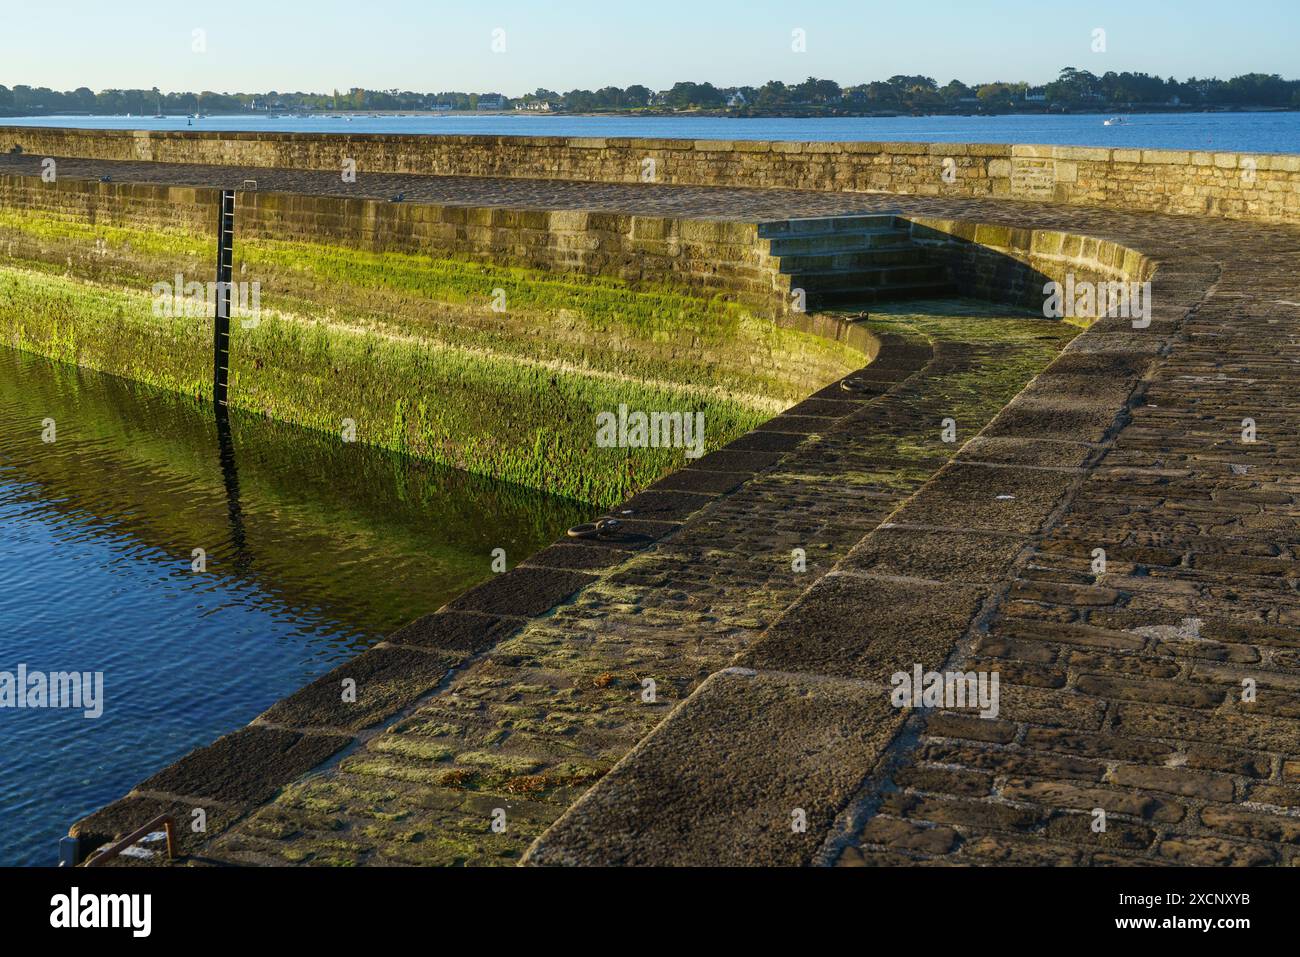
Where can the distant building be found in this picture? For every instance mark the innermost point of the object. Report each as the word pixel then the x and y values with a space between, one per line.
pixel 538 106
pixel 736 99
pixel 496 102
pixel 1036 94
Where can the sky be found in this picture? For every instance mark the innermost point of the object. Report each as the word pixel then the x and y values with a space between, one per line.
pixel 432 46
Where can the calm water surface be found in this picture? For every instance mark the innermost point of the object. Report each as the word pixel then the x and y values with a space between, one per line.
pixel 315 550
pixel 1229 132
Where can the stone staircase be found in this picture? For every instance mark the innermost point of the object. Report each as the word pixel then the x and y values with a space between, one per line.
pixel 852 260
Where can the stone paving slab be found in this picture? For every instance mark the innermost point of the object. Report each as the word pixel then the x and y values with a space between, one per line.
pixel 794 746
pixel 865 628
pixel 363 691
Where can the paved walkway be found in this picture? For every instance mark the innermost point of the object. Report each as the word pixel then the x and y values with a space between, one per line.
pixel 1149 713
pixel 746 205
pixel 1123 736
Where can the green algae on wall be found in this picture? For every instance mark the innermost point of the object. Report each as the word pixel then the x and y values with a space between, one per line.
pixel 296 489
pixel 408 352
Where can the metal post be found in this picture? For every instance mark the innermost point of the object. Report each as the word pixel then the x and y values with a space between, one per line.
pixel 221 327
pixel 69 851
pixel 169 831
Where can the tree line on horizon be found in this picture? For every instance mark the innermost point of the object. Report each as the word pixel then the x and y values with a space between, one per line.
pixel 1072 90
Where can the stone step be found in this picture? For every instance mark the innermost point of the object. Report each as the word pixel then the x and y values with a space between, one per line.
pixel 839 241
pixel 820 224
pixel 857 259
pixel 862 278
pixel 867 295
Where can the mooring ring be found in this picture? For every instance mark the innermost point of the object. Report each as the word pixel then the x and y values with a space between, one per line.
pixel 602 526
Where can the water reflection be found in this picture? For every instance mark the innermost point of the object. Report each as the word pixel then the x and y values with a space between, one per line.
pixel 230 476
pixel 315 548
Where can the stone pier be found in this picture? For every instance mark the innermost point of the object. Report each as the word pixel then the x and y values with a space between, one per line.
pixel 1157 691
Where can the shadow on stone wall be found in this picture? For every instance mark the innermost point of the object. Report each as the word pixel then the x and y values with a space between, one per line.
pixel 1012 266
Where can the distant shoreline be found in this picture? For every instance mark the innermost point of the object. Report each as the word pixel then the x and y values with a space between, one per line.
pixel 1243 131
pixel 672 114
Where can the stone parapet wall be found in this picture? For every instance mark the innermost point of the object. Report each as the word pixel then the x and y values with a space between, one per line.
pixel 1261 188
pixel 113 204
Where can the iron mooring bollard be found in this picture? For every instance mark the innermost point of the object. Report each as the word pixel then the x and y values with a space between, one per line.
pixel 221 325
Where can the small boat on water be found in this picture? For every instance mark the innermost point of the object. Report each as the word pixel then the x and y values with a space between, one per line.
pixel 1115 121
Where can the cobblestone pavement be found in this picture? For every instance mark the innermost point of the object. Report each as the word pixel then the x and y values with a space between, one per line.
pixel 1149 711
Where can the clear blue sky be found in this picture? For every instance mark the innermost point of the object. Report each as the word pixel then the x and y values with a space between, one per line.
pixel 290 45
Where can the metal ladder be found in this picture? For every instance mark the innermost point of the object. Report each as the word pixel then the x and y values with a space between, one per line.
pixel 221 327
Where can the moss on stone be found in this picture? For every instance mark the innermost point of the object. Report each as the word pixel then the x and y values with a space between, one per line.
pixel 409 348
pixel 413 748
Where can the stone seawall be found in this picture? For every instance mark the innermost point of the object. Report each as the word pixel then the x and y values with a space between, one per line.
pixel 1120 683
pixel 702 257
pixel 1261 188
pixel 382 314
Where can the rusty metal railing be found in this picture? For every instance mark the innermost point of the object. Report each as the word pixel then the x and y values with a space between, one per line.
pixel 164 820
